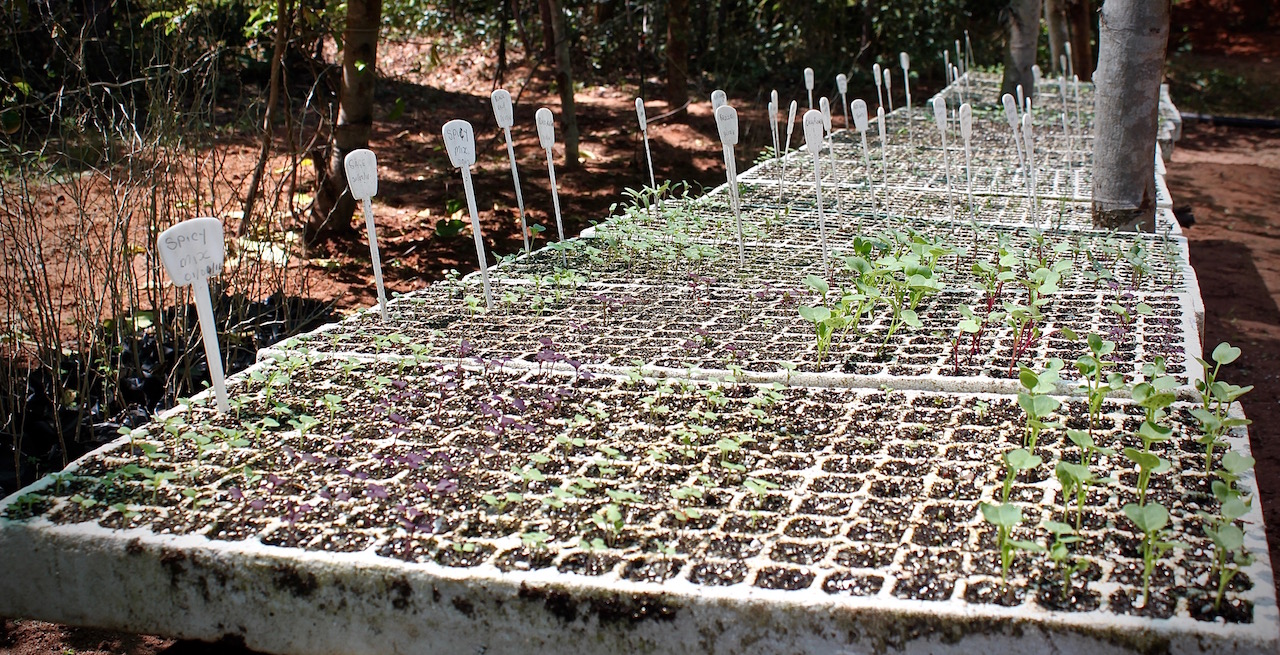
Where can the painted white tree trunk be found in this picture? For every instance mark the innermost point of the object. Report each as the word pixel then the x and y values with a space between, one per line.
pixel 1132 37
pixel 1022 31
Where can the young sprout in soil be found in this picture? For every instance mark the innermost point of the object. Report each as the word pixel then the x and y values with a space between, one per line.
pixel 1075 480
pixel 1216 397
pixel 1087 446
pixel 1016 460
pixel 1060 555
pixel 1006 517
pixel 1234 465
pixel 1229 553
pixel 1034 400
pixel 1092 368
pixel 1151 521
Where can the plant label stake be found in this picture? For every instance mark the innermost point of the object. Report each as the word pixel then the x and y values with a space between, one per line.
pixel 968 52
pixel 362 177
pixel 460 144
pixel 773 129
pixel 884 154
pixel 946 66
pixel 878 77
pixel 1070 64
pixel 547 139
pixel 940 115
pixel 1075 90
pixel 824 106
pixel 813 141
pixel 1036 76
pixel 842 85
pixel 727 125
pixel 966 133
pixel 791 126
pixel 1022 99
pixel 808 84
pixel 505 115
pixel 1029 139
pixel 1066 127
pixel 888 87
pixel 644 132
pixel 860 121
pixel 905 61
pixel 718 100
pixel 192 252
pixel 1011 115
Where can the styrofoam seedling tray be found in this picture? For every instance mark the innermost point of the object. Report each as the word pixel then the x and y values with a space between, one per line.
pixel 907 173
pixel 870 540
pixel 708 323
pixel 788 240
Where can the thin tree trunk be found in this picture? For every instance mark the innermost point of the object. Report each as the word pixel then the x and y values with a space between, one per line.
pixel 548 32
pixel 564 80
pixel 518 18
pixel 1132 38
pixel 284 26
pixel 1022 31
pixel 1055 19
pixel 1080 13
pixel 334 204
pixel 678 56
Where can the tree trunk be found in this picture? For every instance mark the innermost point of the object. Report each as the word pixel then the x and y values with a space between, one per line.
pixel 1055 19
pixel 284 28
pixel 1080 13
pixel 564 80
pixel 1132 38
pixel 678 56
pixel 548 33
pixel 334 204
pixel 1022 30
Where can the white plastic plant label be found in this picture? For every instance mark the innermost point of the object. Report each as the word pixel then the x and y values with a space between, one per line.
pixel 888 88
pixel 876 75
pixel 808 79
pixel 460 143
pixel 824 106
pixel 1010 110
pixel 546 128
pixel 940 113
pixel 644 123
pixel 966 123
pixel 192 250
pixel 718 99
pixel 813 131
pixel 727 124
pixel 860 114
pixel 791 123
pixel 1022 98
pixel 361 167
pixel 904 60
pixel 842 83
pixel 362 173
pixel 880 125
pixel 502 109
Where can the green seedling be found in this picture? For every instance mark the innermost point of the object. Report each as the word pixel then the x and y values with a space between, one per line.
pixel 1015 461
pixel 1234 465
pixel 1006 517
pixel 1092 368
pixel 501 503
pixel 1216 397
pixel 1075 480
pixel 1147 464
pixel 1063 536
pixel 1229 553
pixel 1087 446
pixel 1035 401
pixel 535 540
pixel 1151 521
